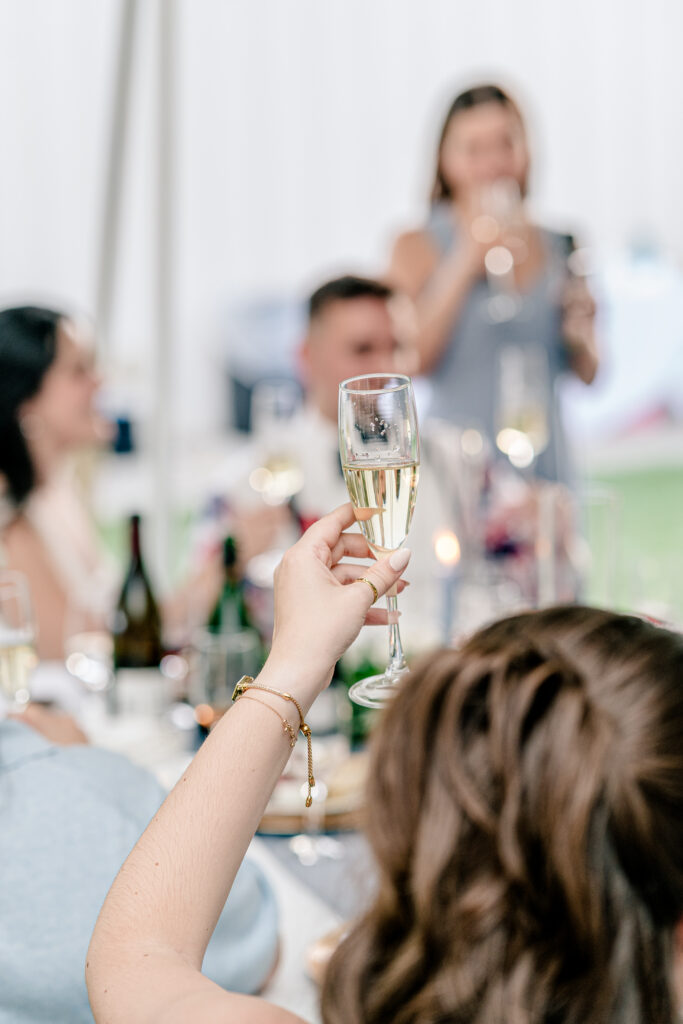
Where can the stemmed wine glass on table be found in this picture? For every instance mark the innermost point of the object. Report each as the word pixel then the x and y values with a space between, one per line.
pixel 523 402
pixel 274 404
pixel 17 635
pixel 380 455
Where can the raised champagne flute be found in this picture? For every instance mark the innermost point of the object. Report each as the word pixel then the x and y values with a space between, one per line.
pixel 380 455
pixel 17 635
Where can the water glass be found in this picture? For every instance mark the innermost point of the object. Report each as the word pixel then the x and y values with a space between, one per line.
pixel 17 636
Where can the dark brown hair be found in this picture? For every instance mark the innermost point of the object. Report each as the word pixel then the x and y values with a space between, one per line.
pixel 525 809
pixel 28 345
pixel 344 289
pixel 467 100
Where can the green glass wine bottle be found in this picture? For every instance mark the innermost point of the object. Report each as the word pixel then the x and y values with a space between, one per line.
pixel 230 646
pixel 230 613
pixel 137 622
pixel 361 720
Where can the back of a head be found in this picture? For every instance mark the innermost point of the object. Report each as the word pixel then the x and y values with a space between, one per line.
pixel 28 345
pixel 525 808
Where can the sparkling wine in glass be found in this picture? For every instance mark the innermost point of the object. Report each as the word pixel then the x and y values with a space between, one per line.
pixel 279 476
pixel 380 455
pixel 524 398
pixel 17 634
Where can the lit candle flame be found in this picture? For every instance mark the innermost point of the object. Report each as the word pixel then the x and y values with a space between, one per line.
pixel 447 547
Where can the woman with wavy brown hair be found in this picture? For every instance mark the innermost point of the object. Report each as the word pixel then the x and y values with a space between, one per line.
pixel 526 814
pixel 525 808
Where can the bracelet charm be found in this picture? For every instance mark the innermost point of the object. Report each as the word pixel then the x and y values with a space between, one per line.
pixel 247 683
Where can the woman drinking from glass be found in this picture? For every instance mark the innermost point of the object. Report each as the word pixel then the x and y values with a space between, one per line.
pixel 486 279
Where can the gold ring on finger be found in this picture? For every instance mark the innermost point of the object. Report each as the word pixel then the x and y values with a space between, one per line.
pixel 373 588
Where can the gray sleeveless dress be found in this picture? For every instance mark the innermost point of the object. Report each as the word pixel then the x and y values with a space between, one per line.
pixel 465 380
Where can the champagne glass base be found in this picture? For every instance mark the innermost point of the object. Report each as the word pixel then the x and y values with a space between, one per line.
pixel 376 691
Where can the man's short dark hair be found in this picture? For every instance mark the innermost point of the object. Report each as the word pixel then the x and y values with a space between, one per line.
pixel 343 289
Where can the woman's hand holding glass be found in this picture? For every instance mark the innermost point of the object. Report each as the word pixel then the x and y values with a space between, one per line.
pixel 320 604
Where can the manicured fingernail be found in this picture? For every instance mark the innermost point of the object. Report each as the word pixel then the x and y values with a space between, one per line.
pixel 393 617
pixel 400 559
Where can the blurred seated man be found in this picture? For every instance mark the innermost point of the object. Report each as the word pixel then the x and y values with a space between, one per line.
pixel 357 326
pixel 352 330
pixel 69 815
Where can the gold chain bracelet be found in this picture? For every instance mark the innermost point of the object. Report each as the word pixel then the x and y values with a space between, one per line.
pixel 247 683
pixel 286 727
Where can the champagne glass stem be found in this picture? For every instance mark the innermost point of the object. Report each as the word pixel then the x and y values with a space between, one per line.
pixel 397 661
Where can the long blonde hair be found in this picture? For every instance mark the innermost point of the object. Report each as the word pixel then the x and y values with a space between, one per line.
pixel 525 809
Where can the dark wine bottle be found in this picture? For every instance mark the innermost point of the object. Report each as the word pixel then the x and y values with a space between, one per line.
pixel 230 646
pixel 361 720
pixel 137 622
pixel 230 613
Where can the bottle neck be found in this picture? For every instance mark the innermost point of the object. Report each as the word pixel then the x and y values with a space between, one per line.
pixel 231 577
pixel 135 552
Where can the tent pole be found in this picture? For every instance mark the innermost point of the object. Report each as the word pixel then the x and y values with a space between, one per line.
pixel 164 314
pixel 110 231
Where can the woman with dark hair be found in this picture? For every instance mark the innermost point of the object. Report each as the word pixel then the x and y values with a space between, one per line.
pixel 525 808
pixel 48 386
pixel 28 336
pixel 70 812
pixel 47 390
pixel 478 215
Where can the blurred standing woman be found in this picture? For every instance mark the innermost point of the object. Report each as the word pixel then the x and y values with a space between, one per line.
pixel 484 277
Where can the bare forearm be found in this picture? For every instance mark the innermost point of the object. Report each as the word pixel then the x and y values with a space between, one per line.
pixel 153 930
pixel 146 952
pixel 584 360
pixel 578 330
pixel 175 993
pixel 440 305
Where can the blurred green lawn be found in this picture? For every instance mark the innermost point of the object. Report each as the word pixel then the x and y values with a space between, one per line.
pixel 633 521
pixel 634 524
